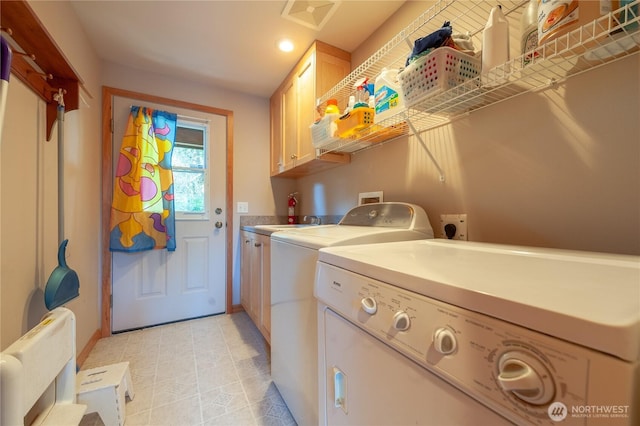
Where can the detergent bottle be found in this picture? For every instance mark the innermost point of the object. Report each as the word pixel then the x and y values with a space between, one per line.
pixel 529 31
pixel 388 95
pixel 559 17
pixel 332 107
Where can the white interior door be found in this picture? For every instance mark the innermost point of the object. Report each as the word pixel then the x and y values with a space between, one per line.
pixel 157 286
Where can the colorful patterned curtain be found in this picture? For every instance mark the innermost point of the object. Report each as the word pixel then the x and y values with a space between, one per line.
pixel 142 213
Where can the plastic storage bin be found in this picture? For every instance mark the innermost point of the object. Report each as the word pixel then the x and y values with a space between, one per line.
pixel 357 119
pixel 324 131
pixel 437 72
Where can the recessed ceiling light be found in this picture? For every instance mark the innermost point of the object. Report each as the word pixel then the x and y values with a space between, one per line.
pixel 285 45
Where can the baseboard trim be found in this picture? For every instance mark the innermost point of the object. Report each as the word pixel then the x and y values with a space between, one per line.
pixel 236 308
pixel 84 354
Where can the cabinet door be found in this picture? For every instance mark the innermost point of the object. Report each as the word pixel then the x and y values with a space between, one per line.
pixel 306 113
pixel 289 124
pixel 245 271
pixel 275 106
pixel 255 279
pixel 266 287
pixel 330 71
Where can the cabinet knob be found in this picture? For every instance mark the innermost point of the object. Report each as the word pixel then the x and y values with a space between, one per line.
pixel 293 156
pixel 257 244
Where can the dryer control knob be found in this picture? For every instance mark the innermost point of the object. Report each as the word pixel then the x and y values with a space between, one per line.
pixel 369 305
pixel 444 341
pixel 401 321
pixel 526 377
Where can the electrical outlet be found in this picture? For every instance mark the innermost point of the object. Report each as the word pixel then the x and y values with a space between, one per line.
pixel 459 221
pixel 243 207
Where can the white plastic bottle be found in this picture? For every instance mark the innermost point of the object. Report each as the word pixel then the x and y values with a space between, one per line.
pixel 529 31
pixel 495 46
pixel 350 105
pixel 388 95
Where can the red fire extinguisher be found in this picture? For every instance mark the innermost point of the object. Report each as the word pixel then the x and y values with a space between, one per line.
pixel 292 208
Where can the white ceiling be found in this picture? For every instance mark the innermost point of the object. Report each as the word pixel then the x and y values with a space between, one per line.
pixel 225 43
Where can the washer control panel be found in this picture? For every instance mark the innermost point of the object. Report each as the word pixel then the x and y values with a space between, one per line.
pixel 392 215
pixel 514 370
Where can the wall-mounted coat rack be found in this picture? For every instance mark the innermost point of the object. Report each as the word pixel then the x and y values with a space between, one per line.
pixel 55 71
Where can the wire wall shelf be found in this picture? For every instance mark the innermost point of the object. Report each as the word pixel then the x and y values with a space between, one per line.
pixel 609 38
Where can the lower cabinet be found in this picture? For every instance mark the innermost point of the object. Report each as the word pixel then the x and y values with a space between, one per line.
pixel 255 280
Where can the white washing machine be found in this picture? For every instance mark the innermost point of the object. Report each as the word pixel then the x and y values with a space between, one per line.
pixel 458 333
pixel 294 254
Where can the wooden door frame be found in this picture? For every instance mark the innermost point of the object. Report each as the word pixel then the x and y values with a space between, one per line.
pixel 108 94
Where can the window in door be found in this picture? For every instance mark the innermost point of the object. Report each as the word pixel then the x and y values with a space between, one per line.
pixel 190 171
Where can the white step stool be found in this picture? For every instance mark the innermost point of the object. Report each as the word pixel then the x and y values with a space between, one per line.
pixel 103 390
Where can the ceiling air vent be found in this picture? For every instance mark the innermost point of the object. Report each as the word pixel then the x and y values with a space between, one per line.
pixel 310 13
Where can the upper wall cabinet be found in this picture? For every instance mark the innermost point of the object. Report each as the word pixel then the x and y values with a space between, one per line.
pixel 293 110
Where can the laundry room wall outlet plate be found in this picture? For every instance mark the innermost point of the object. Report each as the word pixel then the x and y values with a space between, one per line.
pixel 370 197
pixel 460 223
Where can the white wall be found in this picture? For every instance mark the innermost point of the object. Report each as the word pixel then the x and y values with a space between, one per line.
pixel 29 237
pixel 29 234
pixel 557 168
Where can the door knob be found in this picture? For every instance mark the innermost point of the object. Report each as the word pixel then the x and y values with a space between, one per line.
pixel 218 225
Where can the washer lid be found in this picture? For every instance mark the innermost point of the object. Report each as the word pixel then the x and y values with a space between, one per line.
pixel 592 299
pixel 365 224
pixel 317 237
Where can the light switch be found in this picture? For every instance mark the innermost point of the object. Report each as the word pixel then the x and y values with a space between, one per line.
pixel 243 207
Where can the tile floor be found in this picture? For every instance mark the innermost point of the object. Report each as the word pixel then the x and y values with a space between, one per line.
pixel 208 371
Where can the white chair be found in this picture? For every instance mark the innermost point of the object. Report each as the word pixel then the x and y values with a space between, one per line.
pixel 38 375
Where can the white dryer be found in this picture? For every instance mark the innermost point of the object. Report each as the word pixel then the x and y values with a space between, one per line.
pixel 294 343
pixel 441 332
